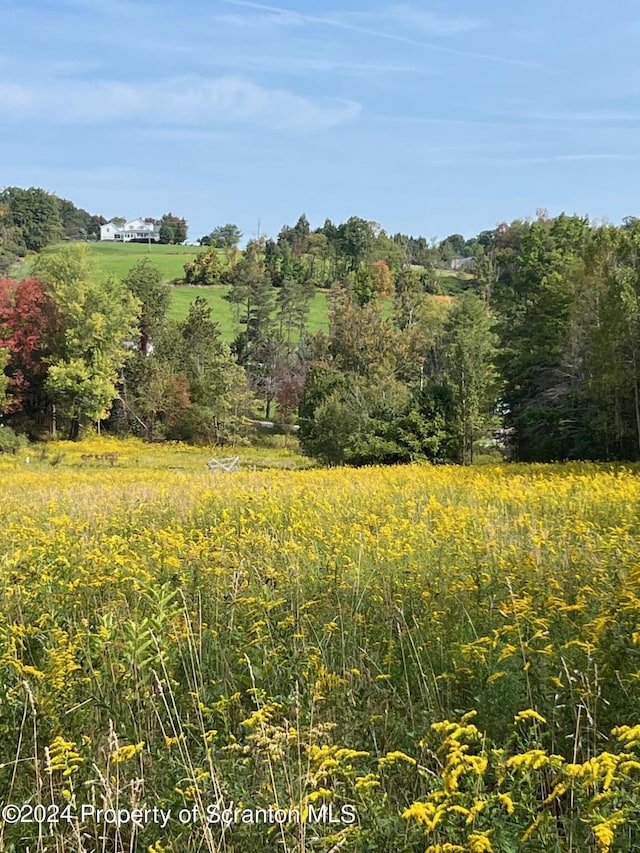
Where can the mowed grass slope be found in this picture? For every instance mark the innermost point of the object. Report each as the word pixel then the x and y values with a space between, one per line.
pixel 118 258
pixel 223 312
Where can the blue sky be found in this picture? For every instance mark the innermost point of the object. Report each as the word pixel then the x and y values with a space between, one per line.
pixel 427 117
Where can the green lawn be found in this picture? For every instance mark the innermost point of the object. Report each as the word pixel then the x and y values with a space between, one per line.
pixel 223 314
pixel 453 282
pixel 222 311
pixel 318 313
pixel 118 258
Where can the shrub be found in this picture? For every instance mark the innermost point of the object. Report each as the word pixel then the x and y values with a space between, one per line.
pixel 9 441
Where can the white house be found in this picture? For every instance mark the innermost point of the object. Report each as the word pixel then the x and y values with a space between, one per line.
pixel 468 264
pixel 137 229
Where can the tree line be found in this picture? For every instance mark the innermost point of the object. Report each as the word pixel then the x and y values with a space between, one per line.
pixel 32 219
pixel 539 354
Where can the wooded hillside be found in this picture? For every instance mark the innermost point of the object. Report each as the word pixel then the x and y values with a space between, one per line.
pixel 532 347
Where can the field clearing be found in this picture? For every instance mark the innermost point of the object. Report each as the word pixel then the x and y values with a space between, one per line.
pixel 453 282
pixel 223 311
pixel 295 638
pixel 117 259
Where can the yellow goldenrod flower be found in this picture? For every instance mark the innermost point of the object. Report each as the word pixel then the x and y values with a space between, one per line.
pixel 527 715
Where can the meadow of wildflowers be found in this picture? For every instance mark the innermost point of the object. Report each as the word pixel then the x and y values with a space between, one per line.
pixel 448 657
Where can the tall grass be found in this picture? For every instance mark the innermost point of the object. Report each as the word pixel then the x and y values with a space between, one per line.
pixel 300 638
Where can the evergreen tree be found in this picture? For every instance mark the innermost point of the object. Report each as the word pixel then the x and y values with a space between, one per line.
pixel 214 384
pixel 293 300
pixel 535 314
pixel 252 293
pixel 145 282
pixel 470 371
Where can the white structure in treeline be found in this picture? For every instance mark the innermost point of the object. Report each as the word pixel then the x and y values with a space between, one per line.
pixel 137 229
pixel 463 264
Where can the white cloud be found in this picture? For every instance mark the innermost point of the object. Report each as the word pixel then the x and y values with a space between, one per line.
pixel 17 99
pixel 555 158
pixel 119 8
pixel 592 116
pixel 270 20
pixel 429 23
pixel 569 158
pixel 188 101
pixel 313 64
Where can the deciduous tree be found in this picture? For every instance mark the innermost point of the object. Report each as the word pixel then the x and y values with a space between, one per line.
pixel 35 214
pixel 26 321
pixel 204 270
pixel 223 237
pixel 96 315
pixel 173 229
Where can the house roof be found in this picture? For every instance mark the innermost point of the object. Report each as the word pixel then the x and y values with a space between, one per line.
pixel 133 224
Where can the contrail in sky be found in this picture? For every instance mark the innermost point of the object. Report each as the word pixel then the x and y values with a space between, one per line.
pixel 343 25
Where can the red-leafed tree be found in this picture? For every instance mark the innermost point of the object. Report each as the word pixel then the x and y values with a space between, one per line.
pixel 26 315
